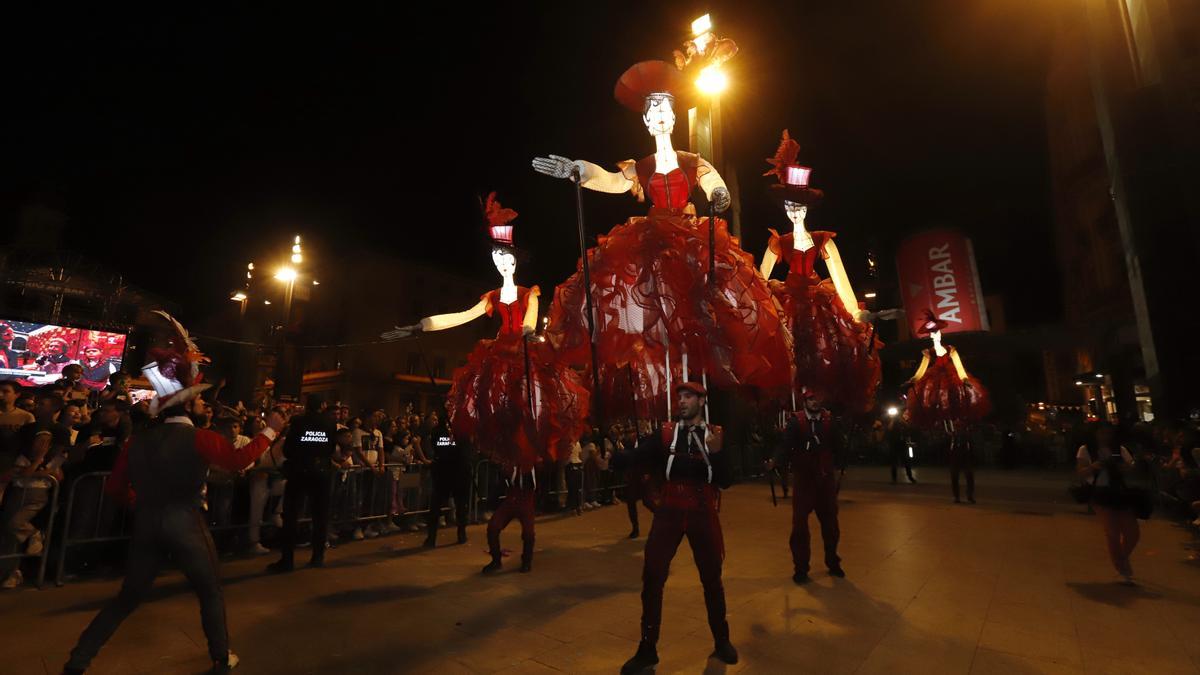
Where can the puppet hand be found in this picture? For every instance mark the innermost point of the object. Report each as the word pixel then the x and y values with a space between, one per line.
pixel 556 166
pixel 720 199
pixel 401 332
pixel 863 316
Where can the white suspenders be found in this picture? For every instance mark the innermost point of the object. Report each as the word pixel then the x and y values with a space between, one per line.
pixel 699 443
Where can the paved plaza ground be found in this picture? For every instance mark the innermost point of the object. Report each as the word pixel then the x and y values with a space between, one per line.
pixel 1016 584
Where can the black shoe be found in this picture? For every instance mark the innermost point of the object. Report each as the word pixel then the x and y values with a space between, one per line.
pixel 801 578
pixel 957 500
pixel 316 563
pixel 971 499
pixel 68 670
pixel 634 533
pixel 912 480
pixel 492 566
pixel 725 652
pixel 462 536
pixel 645 657
pixel 526 567
pixel 430 542
pixel 281 567
pixel 837 571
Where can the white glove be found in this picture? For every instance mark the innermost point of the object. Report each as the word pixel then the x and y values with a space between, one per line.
pixel 560 167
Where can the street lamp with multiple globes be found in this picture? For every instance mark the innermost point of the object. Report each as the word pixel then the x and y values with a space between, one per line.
pixel 707 52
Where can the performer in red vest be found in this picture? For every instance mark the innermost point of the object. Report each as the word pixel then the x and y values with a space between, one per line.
pixel 688 456
pixel 163 470
pixel 812 442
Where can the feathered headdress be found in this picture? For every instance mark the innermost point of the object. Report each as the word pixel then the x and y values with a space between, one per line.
pixel 498 219
pixel 793 178
pixel 174 367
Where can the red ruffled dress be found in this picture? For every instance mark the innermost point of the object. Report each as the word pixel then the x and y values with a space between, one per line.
pixel 833 352
pixel 490 397
pixel 942 396
pixel 651 294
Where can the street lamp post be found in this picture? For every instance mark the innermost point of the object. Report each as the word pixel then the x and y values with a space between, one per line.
pixel 704 120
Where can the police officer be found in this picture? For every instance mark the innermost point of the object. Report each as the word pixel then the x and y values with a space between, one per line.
pixel 310 444
pixel 688 456
pixel 165 466
pixel 812 442
pixel 451 477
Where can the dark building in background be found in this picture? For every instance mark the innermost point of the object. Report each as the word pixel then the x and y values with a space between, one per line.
pixel 1123 118
pixel 372 295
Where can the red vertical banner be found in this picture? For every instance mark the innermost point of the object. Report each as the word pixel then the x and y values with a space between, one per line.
pixel 937 272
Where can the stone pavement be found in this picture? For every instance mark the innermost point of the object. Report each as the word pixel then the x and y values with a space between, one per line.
pixel 1016 584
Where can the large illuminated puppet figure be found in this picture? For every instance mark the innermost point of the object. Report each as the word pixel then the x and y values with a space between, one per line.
pixel 836 353
pixel 654 301
pixel 514 399
pixel 941 392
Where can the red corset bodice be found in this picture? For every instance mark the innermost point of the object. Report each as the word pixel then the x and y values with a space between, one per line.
pixel 799 262
pixel 670 190
pixel 512 315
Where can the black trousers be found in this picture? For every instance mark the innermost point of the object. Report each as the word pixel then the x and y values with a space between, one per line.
pixel 181 532
pixel 900 456
pixel 315 486
pixel 962 461
pixel 449 480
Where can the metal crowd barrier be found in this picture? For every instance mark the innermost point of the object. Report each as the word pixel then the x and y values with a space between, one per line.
pixel 357 495
pixel 47 535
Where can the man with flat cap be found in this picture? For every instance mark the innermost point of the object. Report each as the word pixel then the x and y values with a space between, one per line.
pixel 812 444
pixel 687 457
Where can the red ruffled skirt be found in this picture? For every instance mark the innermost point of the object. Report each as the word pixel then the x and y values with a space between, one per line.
pixel 651 294
pixel 834 355
pixel 941 395
pixel 490 402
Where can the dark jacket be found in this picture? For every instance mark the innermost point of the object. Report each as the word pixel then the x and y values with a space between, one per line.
pixel 311 441
pixel 688 464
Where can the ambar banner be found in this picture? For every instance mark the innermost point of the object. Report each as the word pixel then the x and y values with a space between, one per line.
pixel 937 272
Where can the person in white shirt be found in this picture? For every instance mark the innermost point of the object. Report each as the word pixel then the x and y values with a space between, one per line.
pixel 1102 464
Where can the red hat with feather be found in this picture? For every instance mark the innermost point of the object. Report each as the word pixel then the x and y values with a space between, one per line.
pixel 793 178
pixel 651 78
pixel 930 324
pixel 174 368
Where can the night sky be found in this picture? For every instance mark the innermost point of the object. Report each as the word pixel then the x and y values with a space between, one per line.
pixel 182 145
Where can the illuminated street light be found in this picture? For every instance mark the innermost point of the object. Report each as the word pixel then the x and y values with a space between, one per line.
pixel 316 283
pixel 712 81
pixel 286 274
pixel 238 297
pixel 266 302
pixel 892 411
pixel 869 294
pixel 701 26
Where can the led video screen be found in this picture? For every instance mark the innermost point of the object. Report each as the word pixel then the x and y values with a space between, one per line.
pixel 34 354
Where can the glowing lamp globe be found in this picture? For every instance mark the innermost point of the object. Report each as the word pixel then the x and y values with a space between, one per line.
pixel 712 81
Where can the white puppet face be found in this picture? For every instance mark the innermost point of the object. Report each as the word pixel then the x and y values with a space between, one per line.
pixel 506 262
pixel 659 116
pixel 795 212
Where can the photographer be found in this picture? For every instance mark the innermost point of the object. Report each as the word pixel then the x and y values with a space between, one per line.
pixel 1102 464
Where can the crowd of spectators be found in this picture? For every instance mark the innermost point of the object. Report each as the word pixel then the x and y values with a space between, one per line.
pixel 68 437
